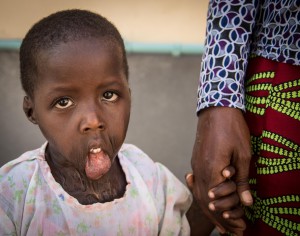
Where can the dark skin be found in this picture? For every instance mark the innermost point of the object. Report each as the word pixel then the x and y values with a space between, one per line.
pixel 225 203
pixel 81 103
pixel 222 139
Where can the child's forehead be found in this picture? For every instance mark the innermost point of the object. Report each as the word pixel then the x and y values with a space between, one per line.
pixel 74 50
pixel 83 57
pixel 88 42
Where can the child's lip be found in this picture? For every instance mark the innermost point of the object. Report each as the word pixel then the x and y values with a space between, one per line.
pixel 95 146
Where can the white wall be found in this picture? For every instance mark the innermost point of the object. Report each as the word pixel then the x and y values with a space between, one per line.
pixel 155 21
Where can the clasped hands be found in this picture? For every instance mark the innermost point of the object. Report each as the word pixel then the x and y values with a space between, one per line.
pixel 220 164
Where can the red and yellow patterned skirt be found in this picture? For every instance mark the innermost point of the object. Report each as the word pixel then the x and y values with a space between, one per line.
pixel 273 116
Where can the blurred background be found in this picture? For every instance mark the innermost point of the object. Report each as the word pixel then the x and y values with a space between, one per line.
pixel 164 42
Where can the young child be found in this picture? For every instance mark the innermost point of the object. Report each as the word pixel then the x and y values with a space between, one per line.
pixel 84 180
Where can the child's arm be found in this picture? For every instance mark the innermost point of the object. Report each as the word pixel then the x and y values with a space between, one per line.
pixel 224 200
pixel 199 223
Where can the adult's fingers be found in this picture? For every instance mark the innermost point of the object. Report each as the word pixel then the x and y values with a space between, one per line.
pixel 241 161
pixel 236 227
pixel 235 213
pixel 241 180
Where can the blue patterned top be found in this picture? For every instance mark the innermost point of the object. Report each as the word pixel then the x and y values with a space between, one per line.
pixel 236 29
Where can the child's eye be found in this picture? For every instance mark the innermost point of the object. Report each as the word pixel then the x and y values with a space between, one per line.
pixel 110 96
pixel 63 103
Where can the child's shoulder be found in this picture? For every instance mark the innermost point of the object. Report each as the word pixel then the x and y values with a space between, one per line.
pixel 139 160
pixel 20 168
pixel 17 178
pixel 136 156
pixel 148 169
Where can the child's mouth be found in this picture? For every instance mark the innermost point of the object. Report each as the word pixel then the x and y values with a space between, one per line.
pixel 98 163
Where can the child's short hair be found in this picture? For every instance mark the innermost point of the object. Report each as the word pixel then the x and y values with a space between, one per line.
pixel 62 27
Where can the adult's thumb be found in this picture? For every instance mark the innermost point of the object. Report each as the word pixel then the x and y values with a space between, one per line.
pixel 242 183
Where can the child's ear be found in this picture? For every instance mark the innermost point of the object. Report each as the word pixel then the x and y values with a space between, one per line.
pixel 28 108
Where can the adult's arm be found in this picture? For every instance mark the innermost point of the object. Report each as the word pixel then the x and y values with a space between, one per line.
pixel 222 134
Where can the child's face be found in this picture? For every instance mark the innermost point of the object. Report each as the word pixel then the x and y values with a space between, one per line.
pixel 82 103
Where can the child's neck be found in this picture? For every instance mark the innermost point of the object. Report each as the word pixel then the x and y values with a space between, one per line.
pixel 109 187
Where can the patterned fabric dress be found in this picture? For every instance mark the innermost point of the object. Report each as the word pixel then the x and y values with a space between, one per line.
pixel 252 63
pixel 273 116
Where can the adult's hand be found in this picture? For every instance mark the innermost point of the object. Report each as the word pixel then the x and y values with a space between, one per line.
pixel 222 139
pixel 225 200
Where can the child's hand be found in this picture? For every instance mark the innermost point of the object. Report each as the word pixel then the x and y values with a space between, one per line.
pixel 224 197
pixel 225 200
pixel 199 223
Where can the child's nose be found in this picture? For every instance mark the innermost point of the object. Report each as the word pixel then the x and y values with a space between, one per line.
pixel 91 121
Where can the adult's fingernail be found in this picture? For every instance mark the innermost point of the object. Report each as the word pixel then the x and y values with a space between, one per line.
pixel 247 197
